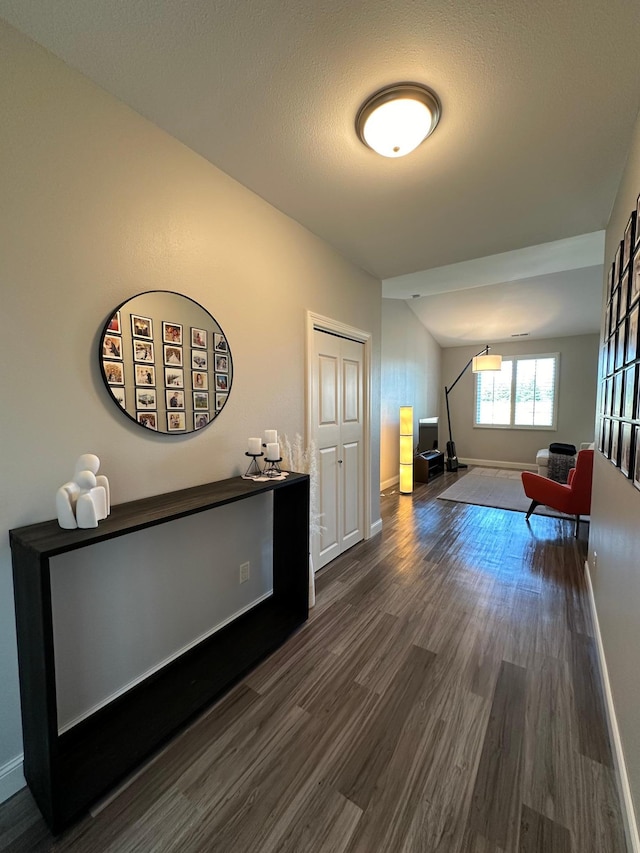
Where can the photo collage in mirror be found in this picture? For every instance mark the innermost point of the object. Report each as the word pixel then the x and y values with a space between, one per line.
pixel 168 375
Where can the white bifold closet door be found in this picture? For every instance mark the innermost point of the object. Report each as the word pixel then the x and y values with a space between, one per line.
pixel 337 425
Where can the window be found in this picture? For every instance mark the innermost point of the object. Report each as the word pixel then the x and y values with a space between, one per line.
pixel 521 395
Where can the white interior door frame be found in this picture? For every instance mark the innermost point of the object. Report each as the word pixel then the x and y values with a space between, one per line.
pixel 335 327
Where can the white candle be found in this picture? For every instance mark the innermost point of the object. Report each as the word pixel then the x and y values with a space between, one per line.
pixel 255 446
pixel 271 436
pixel 273 451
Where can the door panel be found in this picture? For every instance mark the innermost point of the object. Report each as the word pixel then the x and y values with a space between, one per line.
pixel 337 423
pixel 328 366
pixel 351 525
pixel 329 496
pixel 351 398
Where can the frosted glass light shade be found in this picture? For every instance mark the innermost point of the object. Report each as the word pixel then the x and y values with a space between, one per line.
pixel 406 420
pixel 406 450
pixel 486 362
pixel 395 120
pixel 406 479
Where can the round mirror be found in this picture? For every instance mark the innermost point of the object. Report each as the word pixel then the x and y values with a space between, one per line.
pixel 166 362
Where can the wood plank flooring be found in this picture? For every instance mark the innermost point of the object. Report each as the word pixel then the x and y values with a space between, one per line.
pixel 442 698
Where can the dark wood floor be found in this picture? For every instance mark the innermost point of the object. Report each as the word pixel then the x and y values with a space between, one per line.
pixel 442 697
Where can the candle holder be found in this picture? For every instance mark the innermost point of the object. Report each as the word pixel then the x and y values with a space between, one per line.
pixel 254 469
pixel 272 468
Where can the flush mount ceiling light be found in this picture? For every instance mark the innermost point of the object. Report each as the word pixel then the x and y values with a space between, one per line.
pixel 395 120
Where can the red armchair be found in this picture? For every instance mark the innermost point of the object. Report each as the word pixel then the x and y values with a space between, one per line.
pixel 574 498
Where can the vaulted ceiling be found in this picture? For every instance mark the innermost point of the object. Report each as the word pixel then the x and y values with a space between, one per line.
pixel 539 100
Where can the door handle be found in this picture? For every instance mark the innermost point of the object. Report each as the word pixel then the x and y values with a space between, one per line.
pixel 339 461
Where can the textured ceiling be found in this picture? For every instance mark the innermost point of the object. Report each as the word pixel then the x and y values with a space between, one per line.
pixel 539 100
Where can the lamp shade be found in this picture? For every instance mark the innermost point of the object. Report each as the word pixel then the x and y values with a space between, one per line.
pixel 406 450
pixel 395 120
pixel 486 362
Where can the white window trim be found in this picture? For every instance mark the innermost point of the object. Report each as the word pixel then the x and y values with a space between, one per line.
pixel 554 423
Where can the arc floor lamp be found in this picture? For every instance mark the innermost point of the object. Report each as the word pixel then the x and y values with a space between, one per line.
pixel 481 362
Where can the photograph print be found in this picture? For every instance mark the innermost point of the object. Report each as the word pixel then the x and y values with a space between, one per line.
pixel 629 392
pixel 635 279
pixel 222 363
pixel 636 459
pixel 601 436
pixel 617 395
pixel 616 265
pixel 114 372
pixel 176 421
pixel 623 297
pixel 608 396
pixel 112 346
pixel 632 335
pixel 141 327
pixel 606 437
pixel 143 351
pixel 200 380
pixel 199 338
pixel 174 377
pixel 200 419
pixel 620 345
pixel 175 399
pixel 221 399
pixel 145 374
pixel 612 355
pixel 172 333
pixel 220 343
pixel 201 400
pixel 148 419
pixel 626 437
pixel 172 355
pixel 114 326
pixel 146 398
pixel 199 359
pixel 615 443
pixel 119 396
pixel 222 382
pixel 629 239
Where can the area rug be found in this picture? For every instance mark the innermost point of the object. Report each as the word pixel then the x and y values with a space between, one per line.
pixel 495 487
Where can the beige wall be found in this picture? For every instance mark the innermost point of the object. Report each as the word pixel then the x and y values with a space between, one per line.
pixel 576 401
pixel 97 204
pixel 410 377
pixel 615 536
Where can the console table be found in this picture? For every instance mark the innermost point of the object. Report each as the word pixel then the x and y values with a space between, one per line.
pixel 67 772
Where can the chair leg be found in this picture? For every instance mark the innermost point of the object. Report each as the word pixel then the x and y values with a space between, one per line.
pixel 534 504
pixel 577 526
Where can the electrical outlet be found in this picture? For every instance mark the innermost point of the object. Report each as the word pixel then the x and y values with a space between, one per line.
pixel 244 572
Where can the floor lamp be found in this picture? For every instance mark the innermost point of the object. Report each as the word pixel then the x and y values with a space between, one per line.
pixel 407 450
pixel 481 361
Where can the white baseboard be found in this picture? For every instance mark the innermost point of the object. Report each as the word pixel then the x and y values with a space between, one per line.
pixel 495 463
pixel 628 813
pixel 11 778
pixel 375 528
pixel 387 484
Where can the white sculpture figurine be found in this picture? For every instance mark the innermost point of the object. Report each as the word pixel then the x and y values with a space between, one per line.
pixel 85 500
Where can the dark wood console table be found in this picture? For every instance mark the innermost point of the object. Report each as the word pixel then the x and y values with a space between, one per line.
pixel 69 771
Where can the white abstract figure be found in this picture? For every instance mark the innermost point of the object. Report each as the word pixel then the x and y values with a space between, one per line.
pixel 85 500
pixel 90 462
